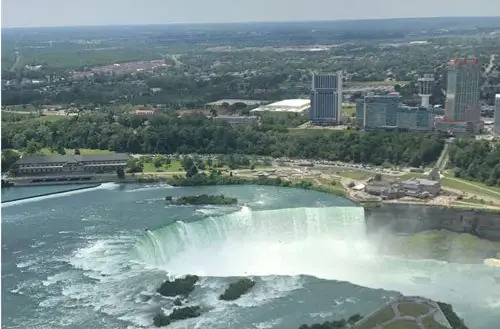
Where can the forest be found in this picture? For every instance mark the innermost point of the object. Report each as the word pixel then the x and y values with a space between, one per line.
pixel 477 160
pixel 169 134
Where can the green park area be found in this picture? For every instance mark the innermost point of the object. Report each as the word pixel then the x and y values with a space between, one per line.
pixel 357 175
pixel 383 315
pixel 471 187
pixel 402 324
pixel 174 166
pixel 413 309
pixel 349 110
pixel 430 323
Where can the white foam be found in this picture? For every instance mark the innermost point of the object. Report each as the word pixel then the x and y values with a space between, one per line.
pixel 27 263
pixel 150 187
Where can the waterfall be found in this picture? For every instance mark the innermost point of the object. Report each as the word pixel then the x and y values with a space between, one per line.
pixel 282 241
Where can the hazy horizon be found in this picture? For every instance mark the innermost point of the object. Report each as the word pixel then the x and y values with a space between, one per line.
pixel 62 13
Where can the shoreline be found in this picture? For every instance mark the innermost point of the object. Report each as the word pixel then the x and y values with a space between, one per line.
pixel 239 180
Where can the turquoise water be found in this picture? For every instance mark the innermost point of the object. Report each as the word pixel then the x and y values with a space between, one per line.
pixel 94 258
pixel 12 193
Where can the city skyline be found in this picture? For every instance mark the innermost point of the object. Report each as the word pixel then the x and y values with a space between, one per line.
pixel 31 13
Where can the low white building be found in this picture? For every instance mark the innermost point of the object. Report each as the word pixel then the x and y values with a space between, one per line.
pixel 286 106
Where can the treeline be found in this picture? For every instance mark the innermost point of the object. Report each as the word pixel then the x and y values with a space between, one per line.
pixel 167 134
pixel 476 160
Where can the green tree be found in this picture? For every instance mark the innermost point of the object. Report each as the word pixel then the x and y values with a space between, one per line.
pixel 9 158
pixel 77 151
pixel 61 150
pixel 158 161
pixel 32 147
pixel 191 171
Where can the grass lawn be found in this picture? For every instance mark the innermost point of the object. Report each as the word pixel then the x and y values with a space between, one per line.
pixel 262 166
pixel 430 323
pixel 358 175
pixel 413 309
pixel 474 201
pixel 349 111
pixel 410 175
pixel 402 324
pixel 22 108
pixel 326 185
pixel 175 165
pixel 471 187
pixel 381 316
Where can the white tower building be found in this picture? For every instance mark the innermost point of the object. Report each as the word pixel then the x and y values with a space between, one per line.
pixel 425 88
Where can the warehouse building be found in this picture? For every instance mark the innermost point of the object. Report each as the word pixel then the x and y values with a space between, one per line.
pixel 285 106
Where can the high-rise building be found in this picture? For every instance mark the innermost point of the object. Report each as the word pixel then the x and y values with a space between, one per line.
pixel 381 112
pixel 326 99
pixel 462 94
pixel 425 88
pixel 496 127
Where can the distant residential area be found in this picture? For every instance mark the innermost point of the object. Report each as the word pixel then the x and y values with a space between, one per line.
pixel 415 107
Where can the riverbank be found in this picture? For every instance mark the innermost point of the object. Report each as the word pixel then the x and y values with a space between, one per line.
pixel 315 184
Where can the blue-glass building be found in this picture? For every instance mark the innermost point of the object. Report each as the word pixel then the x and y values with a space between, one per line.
pixel 326 99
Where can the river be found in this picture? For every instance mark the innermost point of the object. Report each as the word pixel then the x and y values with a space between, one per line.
pixel 94 258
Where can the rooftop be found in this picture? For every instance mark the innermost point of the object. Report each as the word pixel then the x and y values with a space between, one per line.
pixel 73 158
pixel 231 101
pixel 286 105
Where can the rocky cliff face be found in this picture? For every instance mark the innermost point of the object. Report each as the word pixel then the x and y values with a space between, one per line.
pixel 415 218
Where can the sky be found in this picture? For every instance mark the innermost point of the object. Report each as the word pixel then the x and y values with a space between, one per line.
pixel 33 13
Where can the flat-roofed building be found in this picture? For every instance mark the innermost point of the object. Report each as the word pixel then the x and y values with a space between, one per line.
pixel 454 126
pixel 421 187
pixel 285 106
pixel 68 164
pixel 381 112
pixel 231 102
pixel 326 99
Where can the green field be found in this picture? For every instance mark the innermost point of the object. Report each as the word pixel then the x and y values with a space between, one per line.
pixel 430 323
pixel 471 187
pixel 403 324
pixel 410 175
pixel 413 309
pixel 383 315
pixel 349 110
pixel 358 175
pixel 175 165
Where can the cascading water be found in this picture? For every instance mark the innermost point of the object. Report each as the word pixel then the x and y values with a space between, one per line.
pixel 286 241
